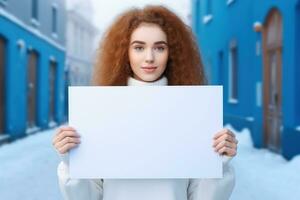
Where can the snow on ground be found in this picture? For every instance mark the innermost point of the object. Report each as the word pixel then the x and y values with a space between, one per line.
pixel 263 175
pixel 28 171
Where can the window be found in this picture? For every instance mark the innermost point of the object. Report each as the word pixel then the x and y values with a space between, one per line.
pixel 220 67
pixel 208 7
pixel 34 9
pixel 233 72
pixel 54 19
pixel 208 11
pixel 34 13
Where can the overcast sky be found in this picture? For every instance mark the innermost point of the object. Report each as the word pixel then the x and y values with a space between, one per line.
pixel 106 10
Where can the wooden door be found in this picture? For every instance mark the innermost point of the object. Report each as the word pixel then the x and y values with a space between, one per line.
pixel 272 36
pixel 52 72
pixel 2 84
pixel 31 88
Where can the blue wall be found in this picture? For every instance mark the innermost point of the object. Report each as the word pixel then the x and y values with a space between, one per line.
pixel 235 22
pixel 16 78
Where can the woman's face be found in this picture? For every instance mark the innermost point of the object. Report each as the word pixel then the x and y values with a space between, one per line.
pixel 148 52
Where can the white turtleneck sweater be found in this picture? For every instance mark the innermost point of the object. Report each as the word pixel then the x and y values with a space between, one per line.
pixel 146 189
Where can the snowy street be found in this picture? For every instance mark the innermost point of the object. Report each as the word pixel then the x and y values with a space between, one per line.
pixel 28 171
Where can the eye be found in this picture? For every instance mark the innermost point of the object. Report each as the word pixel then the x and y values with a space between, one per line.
pixel 138 48
pixel 160 48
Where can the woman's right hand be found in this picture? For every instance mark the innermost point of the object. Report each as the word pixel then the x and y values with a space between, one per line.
pixel 65 139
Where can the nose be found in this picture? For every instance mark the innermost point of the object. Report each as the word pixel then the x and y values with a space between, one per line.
pixel 150 56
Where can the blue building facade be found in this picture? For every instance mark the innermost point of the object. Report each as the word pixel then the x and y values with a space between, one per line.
pixel 32 66
pixel 252 49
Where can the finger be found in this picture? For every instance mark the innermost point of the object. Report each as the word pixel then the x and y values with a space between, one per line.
pixel 225 143
pixel 222 150
pixel 222 138
pixel 67 140
pixel 234 140
pixel 220 145
pixel 230 152
pixel 64 134
pixel 65 128
pixel 67 147
pixel 227 151
pixel 218 134
pixel 222 132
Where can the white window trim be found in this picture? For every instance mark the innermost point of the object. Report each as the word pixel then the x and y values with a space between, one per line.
pixel 54 35
pixel 207 18
pixel 54 5
pixel 230 99
pixel 258 94
pixel 233 101
pixel 52 58
pixel 21 44
pixel 229 2
pixel 250 119
pixel 35 22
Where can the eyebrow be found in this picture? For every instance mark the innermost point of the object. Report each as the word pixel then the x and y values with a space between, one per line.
pixel 141 42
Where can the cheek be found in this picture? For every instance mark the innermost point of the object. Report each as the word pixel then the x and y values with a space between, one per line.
pixel 134 59
pixel 164 60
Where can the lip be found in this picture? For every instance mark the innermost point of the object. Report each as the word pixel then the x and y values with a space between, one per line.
pixel 149 69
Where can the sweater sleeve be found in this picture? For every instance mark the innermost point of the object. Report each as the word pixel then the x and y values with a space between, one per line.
pixel 213 189
pixel 77 189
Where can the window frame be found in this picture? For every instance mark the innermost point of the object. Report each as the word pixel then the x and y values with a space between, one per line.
pixel 35 13
pixel 233 73
pixel 54 20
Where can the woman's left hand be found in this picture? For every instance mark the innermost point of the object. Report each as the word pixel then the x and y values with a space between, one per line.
pixel 225 143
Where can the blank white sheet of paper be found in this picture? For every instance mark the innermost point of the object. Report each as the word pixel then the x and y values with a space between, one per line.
pixel 145 132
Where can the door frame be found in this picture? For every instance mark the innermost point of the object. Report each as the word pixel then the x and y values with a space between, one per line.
pixel 32 108
pixel 273 47
pixel 52 90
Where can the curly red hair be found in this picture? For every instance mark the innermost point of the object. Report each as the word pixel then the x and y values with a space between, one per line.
pixel 184 66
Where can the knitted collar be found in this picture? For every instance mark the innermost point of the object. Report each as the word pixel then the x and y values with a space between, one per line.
pixel 134 82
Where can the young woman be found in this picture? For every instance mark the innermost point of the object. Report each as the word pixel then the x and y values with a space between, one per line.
pixel 149 46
